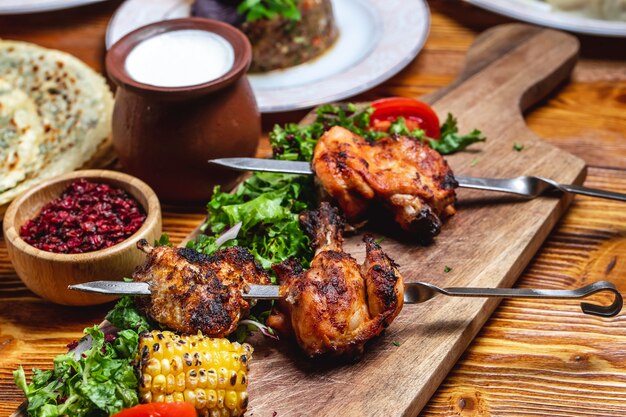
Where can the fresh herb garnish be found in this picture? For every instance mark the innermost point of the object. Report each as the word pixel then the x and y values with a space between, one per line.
pixel 474 162
pixel 395 343
pixel 100 382
pixel 447 269
pixel 518 147
pixel 451 141
pixel 350 116
pixel 294 142
pixel 164 240
pixel 398 127
pixel 268 9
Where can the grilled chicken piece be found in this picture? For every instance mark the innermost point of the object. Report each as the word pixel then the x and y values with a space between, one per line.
pixel 192 291
pixel 402 173
pixel 336 306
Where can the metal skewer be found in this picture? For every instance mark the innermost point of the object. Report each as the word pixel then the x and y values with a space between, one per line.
pixel 525 186
pixel 414 293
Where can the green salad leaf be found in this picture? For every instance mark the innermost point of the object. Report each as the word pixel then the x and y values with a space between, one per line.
pixel 399 127
pixel 268 9
pixel 451 141
pixel 99 382
pixel 125 316
pixel 164 240
pixel 294 142
pixel 268 206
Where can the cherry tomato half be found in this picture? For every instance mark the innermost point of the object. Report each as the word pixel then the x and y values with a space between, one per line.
pixel 417 115
pixel 178 409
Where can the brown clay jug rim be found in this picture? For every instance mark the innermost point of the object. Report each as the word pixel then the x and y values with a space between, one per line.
pixel 116 57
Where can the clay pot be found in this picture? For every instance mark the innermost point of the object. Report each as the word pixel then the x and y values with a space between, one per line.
pixel 166 135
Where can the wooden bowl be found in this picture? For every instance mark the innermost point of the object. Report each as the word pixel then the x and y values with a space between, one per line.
pixel 48 274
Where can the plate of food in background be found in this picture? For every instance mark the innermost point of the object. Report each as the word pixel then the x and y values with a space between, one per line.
pixel 307 52
pixel 37 6
pixel 591 17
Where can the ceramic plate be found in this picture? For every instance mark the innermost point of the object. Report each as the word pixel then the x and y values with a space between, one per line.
pixel 377 39
pixel 36 6
pixel 541 13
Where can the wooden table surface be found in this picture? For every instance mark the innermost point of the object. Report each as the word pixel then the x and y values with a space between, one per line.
pixel 532 358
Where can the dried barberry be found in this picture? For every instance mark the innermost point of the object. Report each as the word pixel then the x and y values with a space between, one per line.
pixel 88 216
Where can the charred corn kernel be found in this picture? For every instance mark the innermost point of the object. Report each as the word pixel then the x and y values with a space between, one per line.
pixel 159 383
pixel 180 382
pixel 211 379
pixel 153 367
pixel 232 399
pixel 146 397
pixel 176 364
pixel 211 397
pixel 146 381
pixel 202 378
pixel 165 367
pixel 210 373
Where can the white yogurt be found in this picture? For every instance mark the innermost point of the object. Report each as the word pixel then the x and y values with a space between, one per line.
pixel 180 58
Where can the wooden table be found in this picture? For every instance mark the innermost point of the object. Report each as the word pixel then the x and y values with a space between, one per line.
pixel 532 357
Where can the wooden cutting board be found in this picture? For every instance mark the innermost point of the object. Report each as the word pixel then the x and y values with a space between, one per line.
pixel 488 243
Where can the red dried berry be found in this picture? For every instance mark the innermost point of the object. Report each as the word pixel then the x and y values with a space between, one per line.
pixel 87 217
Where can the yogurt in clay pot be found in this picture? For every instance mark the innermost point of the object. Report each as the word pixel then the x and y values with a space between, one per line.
pixel 180 58
pixel 183 98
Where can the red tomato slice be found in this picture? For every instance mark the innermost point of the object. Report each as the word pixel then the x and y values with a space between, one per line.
pixel 178 409
pixel 417 115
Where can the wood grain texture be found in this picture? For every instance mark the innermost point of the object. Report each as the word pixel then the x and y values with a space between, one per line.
pixel 538 358
pixel 494 377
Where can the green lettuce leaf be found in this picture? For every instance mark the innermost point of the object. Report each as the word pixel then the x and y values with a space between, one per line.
pixel 126 316
pixel 99 382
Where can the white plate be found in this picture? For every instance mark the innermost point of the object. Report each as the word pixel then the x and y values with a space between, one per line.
pixel 36 6
pixel 541 13
pixel 377 39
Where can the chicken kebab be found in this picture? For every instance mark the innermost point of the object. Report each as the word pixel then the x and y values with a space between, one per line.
pixel 193 292
pixel 403 174
pixel 336 305
pixel 333 308
pixel 399 173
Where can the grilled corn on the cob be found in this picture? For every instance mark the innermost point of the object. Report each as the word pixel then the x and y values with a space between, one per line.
pixel 210 373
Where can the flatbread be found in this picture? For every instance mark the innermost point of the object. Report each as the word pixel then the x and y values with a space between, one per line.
pixel 21 134
pixel 74 104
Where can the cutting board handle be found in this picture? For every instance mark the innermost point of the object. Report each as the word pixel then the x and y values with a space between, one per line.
pixel 508 69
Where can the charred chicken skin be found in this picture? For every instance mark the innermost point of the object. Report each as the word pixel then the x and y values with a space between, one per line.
pixel 404 174
pixel 336 306
pixel 191 291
